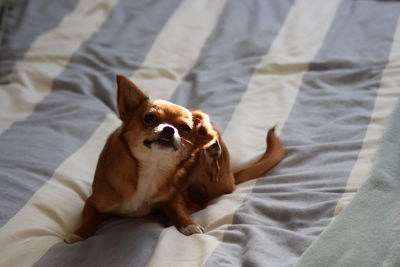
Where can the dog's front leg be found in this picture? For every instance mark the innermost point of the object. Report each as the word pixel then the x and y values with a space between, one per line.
pixel 91 218
pixel 176 211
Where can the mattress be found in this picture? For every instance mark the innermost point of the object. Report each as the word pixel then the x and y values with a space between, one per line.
pixel 325 73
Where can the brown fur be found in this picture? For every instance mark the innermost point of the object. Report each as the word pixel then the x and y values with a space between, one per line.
pixel 192 172
pixel 207 178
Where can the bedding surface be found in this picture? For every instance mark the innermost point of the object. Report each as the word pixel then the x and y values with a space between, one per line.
pixel 371 222
pixel 326 73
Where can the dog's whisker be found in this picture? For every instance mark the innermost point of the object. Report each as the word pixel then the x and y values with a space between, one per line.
pixel 187 141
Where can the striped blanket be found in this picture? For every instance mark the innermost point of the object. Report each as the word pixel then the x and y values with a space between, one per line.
pixel 327 73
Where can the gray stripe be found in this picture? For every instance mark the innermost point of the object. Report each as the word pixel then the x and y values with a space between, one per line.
pixel 118 242
pixel 323 135
pixel 241 38
pixel 21 25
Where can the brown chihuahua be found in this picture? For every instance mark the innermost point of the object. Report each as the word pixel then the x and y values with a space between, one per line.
pixel 162 157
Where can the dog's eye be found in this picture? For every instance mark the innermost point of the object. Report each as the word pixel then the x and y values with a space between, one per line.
pixel 185 128
pixel 150 119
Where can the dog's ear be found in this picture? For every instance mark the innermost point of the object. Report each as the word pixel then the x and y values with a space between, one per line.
pixel 129 97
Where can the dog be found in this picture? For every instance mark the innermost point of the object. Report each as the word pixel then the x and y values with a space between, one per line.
pixel 162 157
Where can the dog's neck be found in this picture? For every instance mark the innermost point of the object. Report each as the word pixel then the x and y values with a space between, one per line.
pixel 155 164
pixel 153 171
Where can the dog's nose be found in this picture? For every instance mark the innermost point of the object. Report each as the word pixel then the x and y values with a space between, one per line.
pixel 168 132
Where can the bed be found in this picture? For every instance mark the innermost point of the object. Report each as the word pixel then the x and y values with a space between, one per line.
pixel 325 73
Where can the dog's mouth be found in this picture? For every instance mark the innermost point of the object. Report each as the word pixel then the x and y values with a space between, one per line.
pixel 162 142
pixel 165 138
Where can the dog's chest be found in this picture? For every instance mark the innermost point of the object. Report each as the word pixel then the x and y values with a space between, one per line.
pixel 152 177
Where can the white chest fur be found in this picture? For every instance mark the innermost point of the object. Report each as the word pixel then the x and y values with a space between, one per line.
pixel 154 170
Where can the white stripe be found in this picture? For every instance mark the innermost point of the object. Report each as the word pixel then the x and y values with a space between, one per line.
pixel 33 76
pixel 271 91
pixel 55 208
pixel 385 102
pixel 177 47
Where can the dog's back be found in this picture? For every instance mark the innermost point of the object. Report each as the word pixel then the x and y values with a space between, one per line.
pixel 208 174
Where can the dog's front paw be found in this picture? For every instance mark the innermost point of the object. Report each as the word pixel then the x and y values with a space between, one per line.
pixel 72 238
pixel 192 229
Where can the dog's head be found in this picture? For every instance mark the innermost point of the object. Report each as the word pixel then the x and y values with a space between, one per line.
pixel 153 128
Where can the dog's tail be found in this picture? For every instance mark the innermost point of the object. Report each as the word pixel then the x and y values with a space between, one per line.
pixel 272 156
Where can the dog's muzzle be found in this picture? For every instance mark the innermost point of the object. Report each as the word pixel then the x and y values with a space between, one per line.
pixel 166 137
